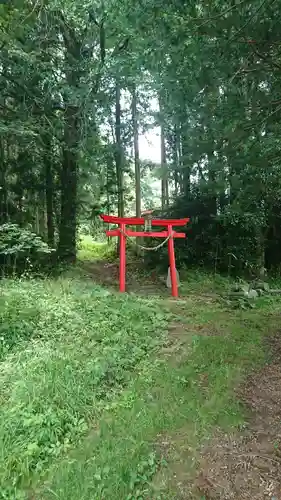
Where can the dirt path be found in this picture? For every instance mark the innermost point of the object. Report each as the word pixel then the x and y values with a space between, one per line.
pixel 247 465
pixel 244 465
pixel 137 281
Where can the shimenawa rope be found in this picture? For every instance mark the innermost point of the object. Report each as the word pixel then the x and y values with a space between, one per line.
pixel 131 238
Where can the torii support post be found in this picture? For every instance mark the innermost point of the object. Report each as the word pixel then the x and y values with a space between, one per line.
pixel 122 233
pixel 172 261
pixel 122 265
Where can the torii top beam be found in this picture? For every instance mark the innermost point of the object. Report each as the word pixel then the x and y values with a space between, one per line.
pixel 137 221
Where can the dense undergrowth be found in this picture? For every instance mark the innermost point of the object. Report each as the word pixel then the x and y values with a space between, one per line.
pixel 89 381
pixel 66 351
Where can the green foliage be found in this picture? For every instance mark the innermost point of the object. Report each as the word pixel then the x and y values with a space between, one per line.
pixel 220 114
pixel 21 249
pixel 221 111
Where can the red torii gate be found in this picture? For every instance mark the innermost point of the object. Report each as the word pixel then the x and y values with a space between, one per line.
pixel 123 233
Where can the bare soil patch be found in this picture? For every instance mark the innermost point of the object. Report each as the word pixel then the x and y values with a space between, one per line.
pixel 107 274
pixel 142 282
pixel 247 465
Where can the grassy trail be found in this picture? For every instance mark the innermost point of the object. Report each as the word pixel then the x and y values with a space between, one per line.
pixel 110 397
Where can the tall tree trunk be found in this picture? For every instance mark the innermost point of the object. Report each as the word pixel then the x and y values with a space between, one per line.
pixel 69 175
pixel 20 185
pixel 186 171
pixel 40 222
pixel 139 251
pixel 69 171
pixel 49 192
pixel 164 166
pixel 180 159
pixel 176 159
pixel 136 152
pixel 261 239
pixel 3 185
pixel 119 152
pixel 212 180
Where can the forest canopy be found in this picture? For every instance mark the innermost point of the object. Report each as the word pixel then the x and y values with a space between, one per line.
pixel 77 82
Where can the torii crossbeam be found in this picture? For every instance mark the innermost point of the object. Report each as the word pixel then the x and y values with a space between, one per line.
pixel 123 233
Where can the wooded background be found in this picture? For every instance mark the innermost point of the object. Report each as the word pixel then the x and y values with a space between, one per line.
pixel 77 80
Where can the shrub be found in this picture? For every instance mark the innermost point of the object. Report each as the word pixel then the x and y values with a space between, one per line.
pixel 21 250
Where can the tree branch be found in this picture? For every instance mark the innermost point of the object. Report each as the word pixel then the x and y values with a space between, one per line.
pixel 266 58
pixel 221 14
pixel 102 42
pixel 271 2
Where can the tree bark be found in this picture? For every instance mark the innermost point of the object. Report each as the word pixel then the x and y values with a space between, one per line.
pixel 136 152
pixel 212 180
pixel 185 167
pixel 118 152
pixel 164 180
pixel 176 159
pixel 3 185
pixel 69 175
pixel 164 166
pixel 139 241
pixel 69 171
pixel 49 193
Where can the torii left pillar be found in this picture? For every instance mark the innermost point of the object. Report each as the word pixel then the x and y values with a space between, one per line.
pixel 122 264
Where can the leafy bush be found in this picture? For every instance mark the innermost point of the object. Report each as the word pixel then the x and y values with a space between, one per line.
pixel 21 249
pixel 225 242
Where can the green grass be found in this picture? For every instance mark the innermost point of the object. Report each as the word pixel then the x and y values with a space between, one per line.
pixel 198 281
pixel 89 249
pixel 86 389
